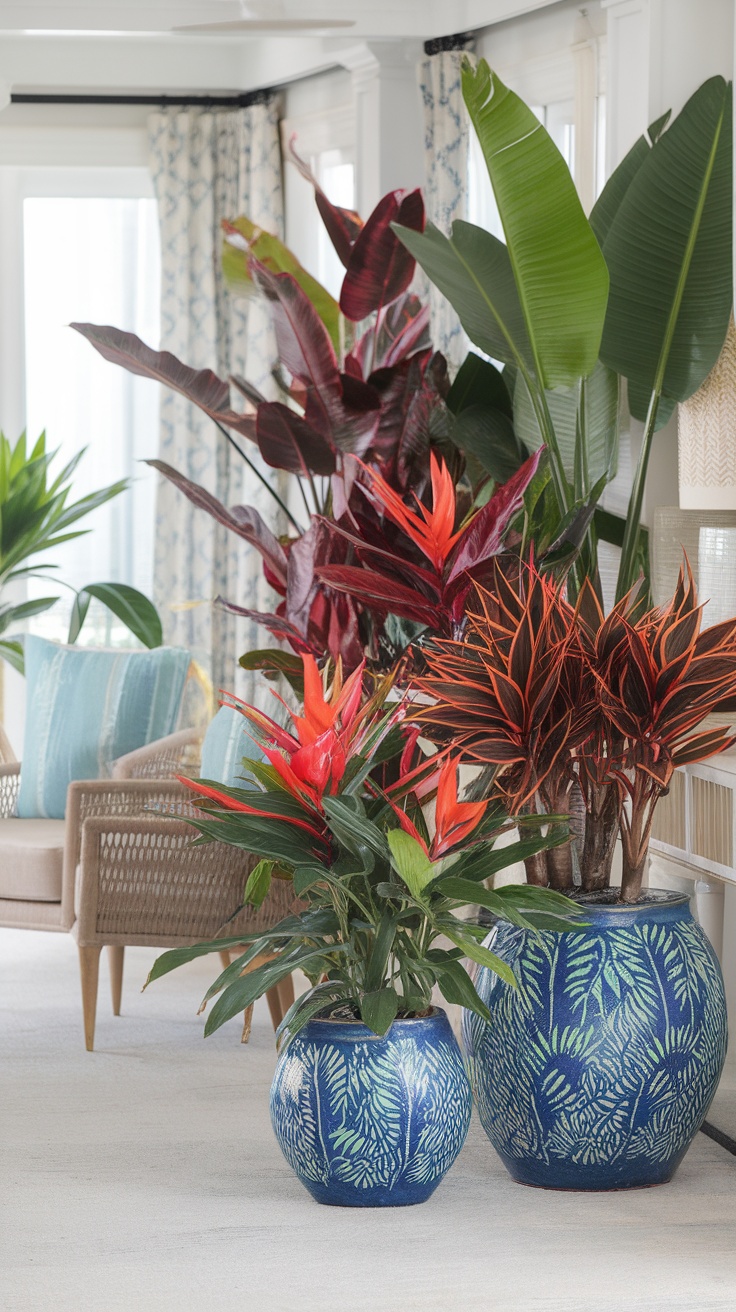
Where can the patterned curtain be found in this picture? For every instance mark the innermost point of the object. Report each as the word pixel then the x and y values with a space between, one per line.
pixel 207 166
pixel 446 152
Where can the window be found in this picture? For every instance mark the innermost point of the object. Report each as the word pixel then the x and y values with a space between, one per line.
pixel 105 254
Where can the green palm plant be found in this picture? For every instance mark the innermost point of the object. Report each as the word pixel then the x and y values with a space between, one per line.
pixel 36 515
pixel 641 292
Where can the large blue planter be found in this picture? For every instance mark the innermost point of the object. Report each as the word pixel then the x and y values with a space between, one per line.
pixel 599 1070
pixel 367 1121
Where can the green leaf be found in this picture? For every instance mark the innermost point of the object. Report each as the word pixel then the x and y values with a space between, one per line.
pixel 609 202
pixel 351 827
pixel 248 988
pixel 136 611
pixel 243 238
pixel 272 662
pixel 80 606
pixel 610 528
pixel 473 270
pixel 310 1004
pixel 410 861
pixel 490 437
pixel 305 877
pixel 668 251
pixel 590 409
pixel 258 884
pixel 478 953
pixel 479 382
pixel 456 985
pixel 382 945
pixel 12 652
pixel 378 1009
pixel 559 271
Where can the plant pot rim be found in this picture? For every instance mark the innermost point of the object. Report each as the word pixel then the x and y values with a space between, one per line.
pixel 608 899
pixel 361 1029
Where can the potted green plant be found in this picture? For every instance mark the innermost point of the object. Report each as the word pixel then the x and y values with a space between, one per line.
pixel 599 1071
pixel 36 515
pixel 370 1101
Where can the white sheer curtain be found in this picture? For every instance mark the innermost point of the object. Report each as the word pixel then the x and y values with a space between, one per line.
pixel 447 131
pixel 207 166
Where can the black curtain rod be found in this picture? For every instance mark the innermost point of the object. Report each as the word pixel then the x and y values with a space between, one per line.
pixel 240 101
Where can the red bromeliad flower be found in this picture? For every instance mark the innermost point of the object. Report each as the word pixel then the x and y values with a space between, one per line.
pixel 454 820
pixel 431 530
pixel 310 762
pixel 392 577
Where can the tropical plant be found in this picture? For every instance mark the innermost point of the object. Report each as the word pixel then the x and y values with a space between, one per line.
pixel 541 305
pixel 36 515
pixel 559 699
pixel 379 894
pixel 368 414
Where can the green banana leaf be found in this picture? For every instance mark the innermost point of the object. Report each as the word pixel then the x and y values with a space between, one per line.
pixel 668 250
pixel 560 273
pixel 473 270
pixel 585 419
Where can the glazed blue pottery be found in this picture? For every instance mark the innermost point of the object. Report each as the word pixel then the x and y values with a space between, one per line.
pixel 599 1070
pixel 367 1121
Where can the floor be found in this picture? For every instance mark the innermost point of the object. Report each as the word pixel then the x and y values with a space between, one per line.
pixel 144 1177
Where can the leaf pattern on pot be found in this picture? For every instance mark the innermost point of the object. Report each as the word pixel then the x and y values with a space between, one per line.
pixel 609 1051
pixel 373 1114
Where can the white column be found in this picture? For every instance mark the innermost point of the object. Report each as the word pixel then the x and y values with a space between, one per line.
pixel 388 146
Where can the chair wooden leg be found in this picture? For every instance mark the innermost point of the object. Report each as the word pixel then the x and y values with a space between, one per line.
pixel 225 960
pixel 89 968
pixel 274 1006
pixel 115 957
pixel 247 1023
pixel 286 993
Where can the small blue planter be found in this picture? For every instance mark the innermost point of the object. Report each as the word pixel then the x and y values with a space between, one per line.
pixel 599 1070
pixel 367 1121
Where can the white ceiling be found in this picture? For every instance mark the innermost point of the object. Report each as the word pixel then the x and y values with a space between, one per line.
pixel 131 45
pixel 372 18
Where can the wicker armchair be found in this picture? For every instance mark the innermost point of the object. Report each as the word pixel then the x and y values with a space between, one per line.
pixel 116 872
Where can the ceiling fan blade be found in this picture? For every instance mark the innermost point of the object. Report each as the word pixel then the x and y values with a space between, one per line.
pixel 275 25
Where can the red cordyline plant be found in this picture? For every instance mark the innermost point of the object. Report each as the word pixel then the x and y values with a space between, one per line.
pixel 569 706
pixel 376 923
pixel 363 427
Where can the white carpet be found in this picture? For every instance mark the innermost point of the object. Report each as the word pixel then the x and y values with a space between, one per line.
pixel 145 1178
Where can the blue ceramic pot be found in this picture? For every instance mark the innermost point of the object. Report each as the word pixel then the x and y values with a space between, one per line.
pixel 367 1121
pixel 598 1071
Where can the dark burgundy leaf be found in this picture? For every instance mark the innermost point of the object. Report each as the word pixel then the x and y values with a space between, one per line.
pixel 484 535
pixel 288 442
pixel 303 341
pixel 343 226
pixel 243 520
pixel 380 268
pixel 301 581
pixel 401 330
pixel 276 624
pixel 247 389
pixel 368 586
pixel 201 386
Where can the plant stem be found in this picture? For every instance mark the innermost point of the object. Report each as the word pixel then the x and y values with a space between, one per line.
pixel 633 515
pixel 272 492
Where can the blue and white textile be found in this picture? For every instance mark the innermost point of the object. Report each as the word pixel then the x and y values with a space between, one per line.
pixel 87 707
pixel 447 131
pixel 208 166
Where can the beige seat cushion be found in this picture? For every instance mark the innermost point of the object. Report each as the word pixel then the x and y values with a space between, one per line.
pixel 31 858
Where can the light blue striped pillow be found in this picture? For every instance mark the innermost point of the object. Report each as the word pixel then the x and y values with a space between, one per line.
pixel 85 708
pixel 226 742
